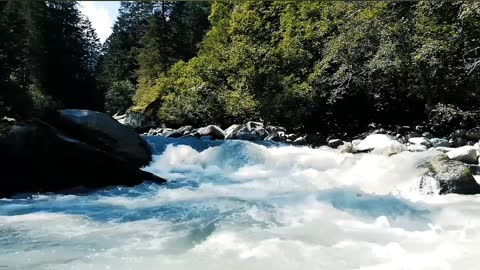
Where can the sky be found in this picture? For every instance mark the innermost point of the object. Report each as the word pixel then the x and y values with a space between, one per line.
pixel 102 14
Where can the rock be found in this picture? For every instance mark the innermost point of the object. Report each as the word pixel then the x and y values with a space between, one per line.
pixel 449 176
pixel 300 141
pixel 231 132
pixel 436 142
pixel 334 143
pixel 374 141
pixel 390 150
pixel 347 148
pixel 458 133
pixel 36 157
pixel 413 135
pixel 103 132
pixel 271 129
pixel 173 134
pixel 473 134
pixel 185 129
pixel 213 131
pixel 457 141
pixel 443 149
pixel 291 136
pixel 8 119
pixel 276 136
pixel 467 154
pixel 427 135
pixel 417 148
pixel 257 130
pixel 420 141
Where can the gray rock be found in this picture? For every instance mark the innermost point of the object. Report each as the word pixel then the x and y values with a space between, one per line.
pixel 271 129
pixel 52 161
pixel 300 141
pixel 420 141
pixel 467 154
pixel 334 143
pixel 184 129
pixel 213 131
pixel 276 136
pixel 449 176
pixel 436 142
pixel 347 147
pixel 257 129
pixel 135 120
pixel 231 132
pixel 427 135
pixel 473 134
pixel 374 141
pixel 457 141
pixel 458 133
pixel 443 149
pixel 103 132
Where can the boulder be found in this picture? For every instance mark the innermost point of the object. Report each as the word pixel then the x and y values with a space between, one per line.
pixel 36 157
pixel 458 133
pixel 300 141
pixel 334 143
pixel 457 141
pixel 213 132
pixel 436 142
pixel 427 135
pixel 103 132
pixel 467 154
pixel 375 141
pixel 420 141
pixel 448 176
pixel 231 132
pixel 277 136
pixel 174 134
pixel 271 129
pixel 473 134
pixel 257 129
pixel 443 149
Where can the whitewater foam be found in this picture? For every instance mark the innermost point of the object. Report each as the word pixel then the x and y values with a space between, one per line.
pixel 240 205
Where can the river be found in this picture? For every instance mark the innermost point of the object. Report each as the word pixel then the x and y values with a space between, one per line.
pixel 240 205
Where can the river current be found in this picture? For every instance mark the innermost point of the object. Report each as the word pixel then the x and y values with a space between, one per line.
pixel 241 205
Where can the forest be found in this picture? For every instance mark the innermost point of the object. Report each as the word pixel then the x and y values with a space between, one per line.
pixel 305 65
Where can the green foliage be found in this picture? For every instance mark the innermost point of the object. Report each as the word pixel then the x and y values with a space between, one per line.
pixel 47 58
pixel 118 97
pixel 318 65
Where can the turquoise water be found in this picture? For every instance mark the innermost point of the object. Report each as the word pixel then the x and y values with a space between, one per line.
pixel 239 205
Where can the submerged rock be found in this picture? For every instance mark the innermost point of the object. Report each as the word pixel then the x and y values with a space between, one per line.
pixel 36 157
pixel 450 176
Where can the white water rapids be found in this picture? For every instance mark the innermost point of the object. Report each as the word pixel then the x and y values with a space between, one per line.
pixel 240 205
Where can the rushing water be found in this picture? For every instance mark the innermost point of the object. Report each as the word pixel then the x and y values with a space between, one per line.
pixel 240 205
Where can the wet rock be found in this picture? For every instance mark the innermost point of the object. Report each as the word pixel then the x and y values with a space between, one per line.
pixel 436 142
pixel 37 157
pixel 257 129
pixel 443 149
pixel 276 136
pixel 212 131
pixel 347 147
pixel 375 141
pixel 427 135
pixel 467 154
pixel 448 176
pixel 231 132
pixel 457 142
pixel 103 132
pixel 420 141
pixel 458 133
pixel 300 141
pixel 334 143
pixel 473 134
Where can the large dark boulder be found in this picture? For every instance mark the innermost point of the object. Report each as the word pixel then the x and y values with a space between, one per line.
pixel 448 176
pixel 103 132
pixel 36 157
